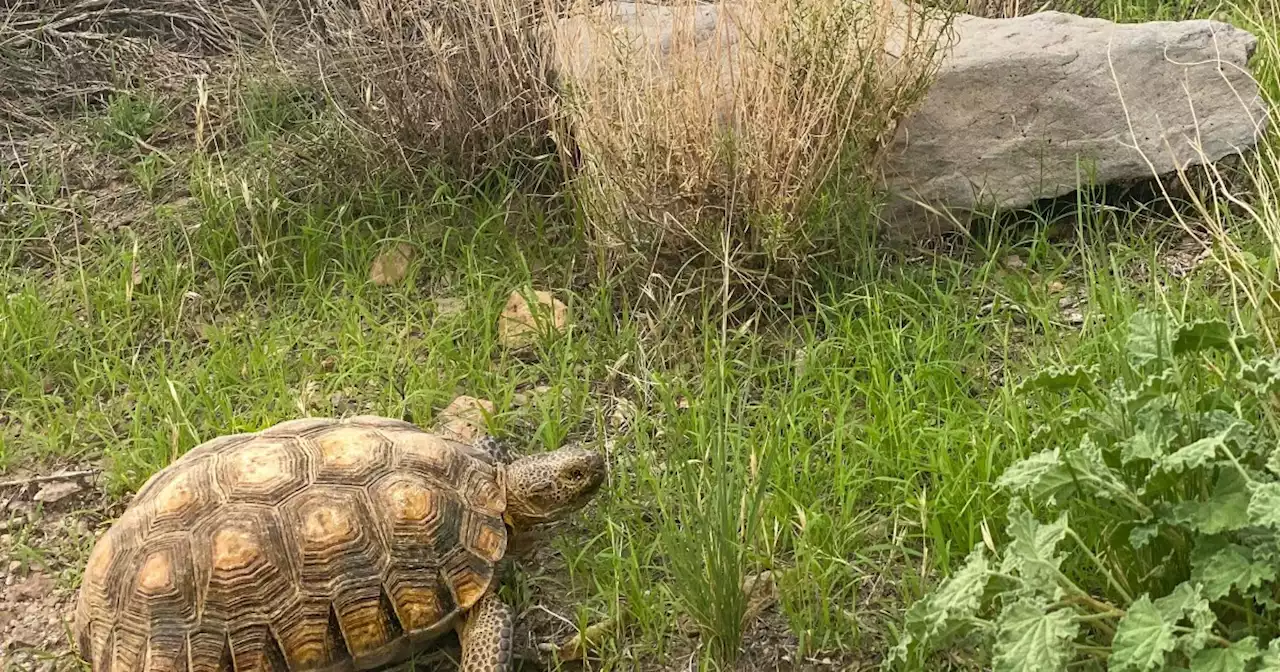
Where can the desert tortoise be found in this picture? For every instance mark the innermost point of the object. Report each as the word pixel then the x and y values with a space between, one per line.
pixel 318 544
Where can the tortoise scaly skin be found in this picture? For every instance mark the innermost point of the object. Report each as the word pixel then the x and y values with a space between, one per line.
pixel 318 545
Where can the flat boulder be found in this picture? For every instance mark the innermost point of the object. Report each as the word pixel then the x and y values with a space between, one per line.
pixel 1033 107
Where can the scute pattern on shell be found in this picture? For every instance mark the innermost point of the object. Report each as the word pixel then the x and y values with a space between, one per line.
pixel 314 544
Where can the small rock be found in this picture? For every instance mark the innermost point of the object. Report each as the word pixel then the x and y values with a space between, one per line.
pixel 448 307
pixel 761 591
pixel 58 491
pixel 1186 256
pixel 1069 307
pixel 15 566
pixel 521 322
pixel 623 413
pixel 392 265
pixel 35 586
pixel 464 418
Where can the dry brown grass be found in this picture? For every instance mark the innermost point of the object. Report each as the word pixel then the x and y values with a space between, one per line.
pixel 724 144
pixel 723 140
pixel 57 56
pixel 457 83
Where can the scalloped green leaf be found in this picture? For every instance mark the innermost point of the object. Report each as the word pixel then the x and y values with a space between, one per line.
pixel 958 597
pixel 1264 504
pixel 1032 551
pixel 1177 603
pixel 1226 509
pixel 1200 453
pixel 1052 474
pixel 1202 621
pixel 1155 429
pixel 1193 455
pixel 1088 467
pixel 1229 567
pixel 1141 535
pixel 1233 658
pixel 1154 386
pixel 1029 471
pixel 1263 374
pixel 1031 639
pixel 1059 378
pixel 1143 638
pixel 1237 432
pixel 1271 657
pixel 956 600
pixel 1205 335
pixel 1188 601
pixel 1273 462
pixel 1148 338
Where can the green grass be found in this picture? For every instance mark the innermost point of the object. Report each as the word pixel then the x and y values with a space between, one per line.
pixel 848 443
pixel 873 452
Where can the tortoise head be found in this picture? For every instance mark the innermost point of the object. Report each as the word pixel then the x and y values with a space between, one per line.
pixel 548 486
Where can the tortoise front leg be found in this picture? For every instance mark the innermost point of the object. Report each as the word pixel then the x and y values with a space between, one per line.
pixel 486 636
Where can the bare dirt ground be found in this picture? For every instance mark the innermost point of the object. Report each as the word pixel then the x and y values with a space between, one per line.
pixel 49 523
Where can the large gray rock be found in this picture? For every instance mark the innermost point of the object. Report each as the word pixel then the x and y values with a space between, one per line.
pixel 1032 107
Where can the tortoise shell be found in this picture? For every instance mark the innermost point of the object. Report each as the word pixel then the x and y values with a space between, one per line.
pixel 315 544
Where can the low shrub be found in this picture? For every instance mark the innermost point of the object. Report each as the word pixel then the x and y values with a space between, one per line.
pixel 456 85
pixel 720 128
pixel 1146 533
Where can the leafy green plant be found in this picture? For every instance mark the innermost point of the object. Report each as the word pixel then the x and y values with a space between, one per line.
pixel 1146 534
pixel 147 171
pixel 129 117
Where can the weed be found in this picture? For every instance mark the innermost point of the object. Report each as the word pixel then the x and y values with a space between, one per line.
pixel 147 171
pixel 710 491
pixel 1162 486
pixel 129 117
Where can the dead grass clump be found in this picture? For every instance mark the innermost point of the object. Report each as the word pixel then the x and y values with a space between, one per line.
pixel 701 127
pixel 57 56
pixel 458 83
